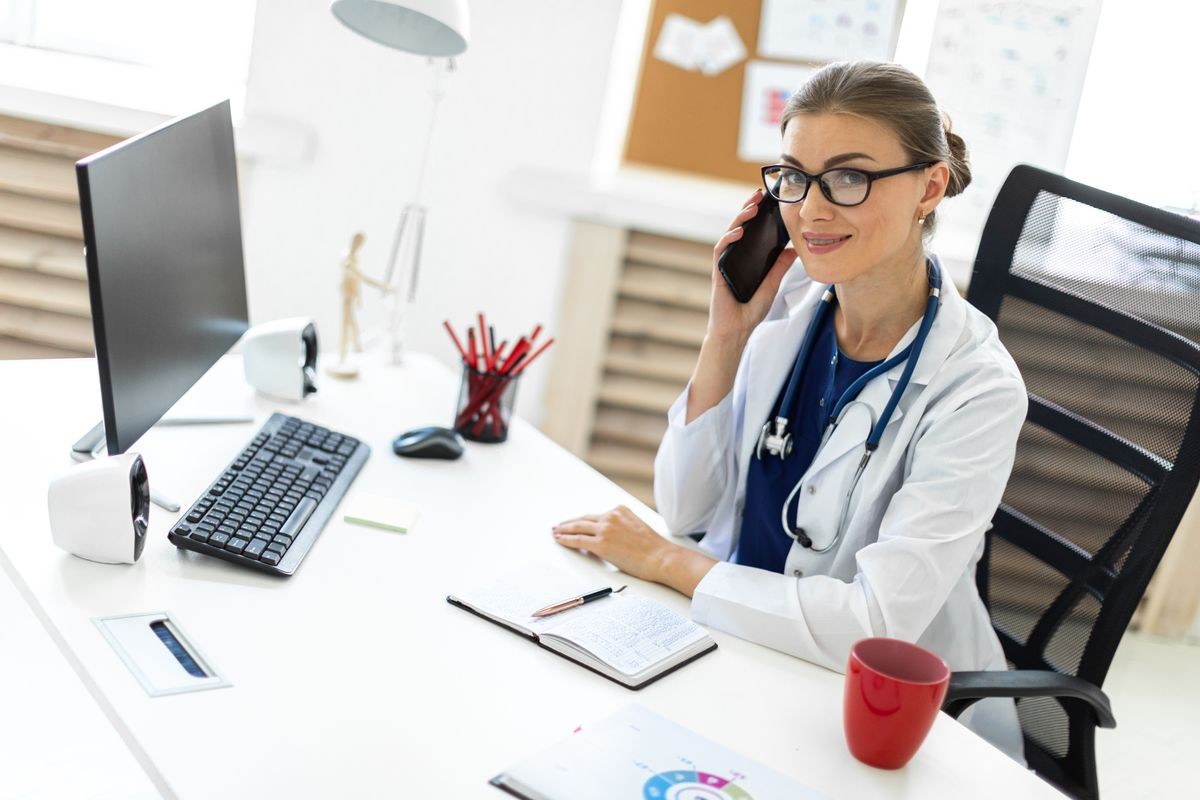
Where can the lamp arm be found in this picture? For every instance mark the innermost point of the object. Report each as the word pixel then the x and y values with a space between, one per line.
pixel 389 273
pixel 436 90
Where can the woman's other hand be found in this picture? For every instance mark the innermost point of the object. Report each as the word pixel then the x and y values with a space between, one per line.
pixel 622 539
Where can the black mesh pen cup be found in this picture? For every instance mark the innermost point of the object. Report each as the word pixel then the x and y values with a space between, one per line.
pixel 485 404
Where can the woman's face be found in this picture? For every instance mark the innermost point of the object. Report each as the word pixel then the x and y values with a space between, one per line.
pixel 880 233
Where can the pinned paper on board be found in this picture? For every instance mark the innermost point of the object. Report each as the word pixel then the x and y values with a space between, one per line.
pixel 818 30
pixel 709 48
pixel 765 94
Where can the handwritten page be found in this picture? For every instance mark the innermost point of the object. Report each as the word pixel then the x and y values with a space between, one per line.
pixel 630 633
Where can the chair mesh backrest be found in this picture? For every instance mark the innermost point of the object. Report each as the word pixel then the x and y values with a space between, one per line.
pixel 1096 298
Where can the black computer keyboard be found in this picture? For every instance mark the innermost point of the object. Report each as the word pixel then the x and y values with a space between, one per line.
pixel 268 507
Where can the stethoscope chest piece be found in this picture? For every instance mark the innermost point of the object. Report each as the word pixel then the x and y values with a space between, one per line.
pixel 778 443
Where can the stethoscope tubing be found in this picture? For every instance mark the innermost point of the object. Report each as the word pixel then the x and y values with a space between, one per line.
pixel 780 443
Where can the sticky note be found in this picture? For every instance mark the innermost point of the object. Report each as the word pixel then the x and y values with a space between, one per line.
pixel 379 511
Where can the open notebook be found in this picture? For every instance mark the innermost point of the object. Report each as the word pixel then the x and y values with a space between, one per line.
pixel 624 637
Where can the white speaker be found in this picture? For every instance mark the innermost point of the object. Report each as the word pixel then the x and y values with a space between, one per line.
pixel 281 358
pixel 99 510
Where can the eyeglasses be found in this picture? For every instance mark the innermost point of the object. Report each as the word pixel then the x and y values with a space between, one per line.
pixel 840 185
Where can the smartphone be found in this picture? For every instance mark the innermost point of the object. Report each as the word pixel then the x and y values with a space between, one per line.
pixel 746 262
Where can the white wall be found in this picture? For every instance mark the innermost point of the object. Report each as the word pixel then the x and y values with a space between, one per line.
pixel 528 92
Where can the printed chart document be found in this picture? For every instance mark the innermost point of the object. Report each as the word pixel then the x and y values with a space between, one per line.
pixel 643 756
pixel 624 637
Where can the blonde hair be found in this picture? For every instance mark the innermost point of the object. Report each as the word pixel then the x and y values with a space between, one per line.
pixel 895 98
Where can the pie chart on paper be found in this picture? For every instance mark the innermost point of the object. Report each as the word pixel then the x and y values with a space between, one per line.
pixel 692 785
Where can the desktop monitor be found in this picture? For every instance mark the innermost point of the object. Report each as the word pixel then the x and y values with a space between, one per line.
pixel 163 241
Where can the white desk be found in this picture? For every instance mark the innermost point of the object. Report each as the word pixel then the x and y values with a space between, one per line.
pixel 355 678
pixel 54 740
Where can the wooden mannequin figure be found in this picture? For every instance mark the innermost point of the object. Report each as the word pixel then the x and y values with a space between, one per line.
pixel 351 289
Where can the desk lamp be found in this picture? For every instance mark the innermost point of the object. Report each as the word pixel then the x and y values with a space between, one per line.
pixel 437 29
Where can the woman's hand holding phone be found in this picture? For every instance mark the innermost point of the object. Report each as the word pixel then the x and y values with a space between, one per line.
pixel 727 317
pixel 730 322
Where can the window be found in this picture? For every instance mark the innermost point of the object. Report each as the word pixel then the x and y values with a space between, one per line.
pixel 1135 133
pixel 151 47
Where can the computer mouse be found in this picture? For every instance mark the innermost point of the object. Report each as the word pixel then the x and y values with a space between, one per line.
pixel 430 442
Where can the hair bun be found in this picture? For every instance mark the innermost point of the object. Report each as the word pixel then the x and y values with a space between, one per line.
pixel 960 168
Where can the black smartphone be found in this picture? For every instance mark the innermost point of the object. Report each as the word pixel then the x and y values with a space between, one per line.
pixel 746 262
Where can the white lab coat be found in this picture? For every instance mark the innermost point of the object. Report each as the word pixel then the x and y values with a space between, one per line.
pixel 905 566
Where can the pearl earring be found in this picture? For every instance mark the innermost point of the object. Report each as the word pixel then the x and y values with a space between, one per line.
pixel 920 220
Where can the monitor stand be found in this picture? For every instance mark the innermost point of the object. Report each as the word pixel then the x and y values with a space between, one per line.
pixel 93 443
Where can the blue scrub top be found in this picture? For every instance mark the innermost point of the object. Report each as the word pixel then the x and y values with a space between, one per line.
pixel 770 480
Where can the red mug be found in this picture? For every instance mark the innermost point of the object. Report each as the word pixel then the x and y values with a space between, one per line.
pixel 894 691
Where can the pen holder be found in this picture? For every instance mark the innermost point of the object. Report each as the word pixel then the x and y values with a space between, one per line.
pixel 485 403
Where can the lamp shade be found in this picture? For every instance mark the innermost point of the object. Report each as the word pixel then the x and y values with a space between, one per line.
pixel 423 27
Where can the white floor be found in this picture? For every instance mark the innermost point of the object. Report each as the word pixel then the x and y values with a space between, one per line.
pixel 1154 686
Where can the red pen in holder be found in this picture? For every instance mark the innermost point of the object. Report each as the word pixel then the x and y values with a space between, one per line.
pixel 485 405
pixel 489 382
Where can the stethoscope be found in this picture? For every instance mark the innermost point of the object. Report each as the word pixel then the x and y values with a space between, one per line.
pixel 779 441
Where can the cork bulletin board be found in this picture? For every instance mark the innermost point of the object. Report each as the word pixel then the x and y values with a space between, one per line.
pixel 689 121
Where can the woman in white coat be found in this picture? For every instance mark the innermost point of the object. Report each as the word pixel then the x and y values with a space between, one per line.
pixel 872 522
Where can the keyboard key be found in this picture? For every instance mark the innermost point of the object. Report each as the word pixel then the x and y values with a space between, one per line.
pixel 199 535
pixel 236 544
pixel 276 547
pixel 298 517
pixel 283 539
pixel 218 539
pixel 254 549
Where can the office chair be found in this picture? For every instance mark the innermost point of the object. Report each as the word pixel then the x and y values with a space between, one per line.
pixel 1098 300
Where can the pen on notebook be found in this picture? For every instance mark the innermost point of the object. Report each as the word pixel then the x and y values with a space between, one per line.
pixel 554 608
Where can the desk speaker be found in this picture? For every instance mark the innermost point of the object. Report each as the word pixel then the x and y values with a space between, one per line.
pixel 99 510
pixel 281 358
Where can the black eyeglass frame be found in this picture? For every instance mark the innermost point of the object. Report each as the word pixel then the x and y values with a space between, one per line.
pixel 871 178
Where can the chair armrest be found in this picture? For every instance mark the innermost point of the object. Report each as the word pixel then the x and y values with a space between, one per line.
pixel 967 687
